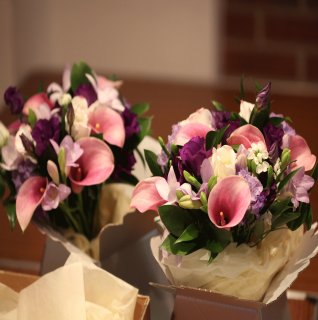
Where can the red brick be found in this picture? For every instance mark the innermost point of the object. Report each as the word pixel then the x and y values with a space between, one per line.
pixel 299 29
pixel 312 67
pixel 259 63
pixel 239 24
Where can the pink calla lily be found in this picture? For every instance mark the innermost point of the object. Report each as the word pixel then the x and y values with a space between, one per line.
pixel 189 131
pixel 36 101
pixel 147 194
pixel 246 135
pixel 30 195
pixel 94 166
pixel 108 122
pixel 153 192
pixel 228 201
pixel 299 152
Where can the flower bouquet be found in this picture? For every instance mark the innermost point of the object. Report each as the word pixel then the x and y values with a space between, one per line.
pixel 231 190
pixel 69 144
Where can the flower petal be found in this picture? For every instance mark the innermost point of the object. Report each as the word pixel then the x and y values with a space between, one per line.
pixel 36 101
pixel 29 197
pixel 246 135
pixel 95 165
pixel 300 152
pixel 228 201
pixel 146 195
pixel 189 131
pixel 108 122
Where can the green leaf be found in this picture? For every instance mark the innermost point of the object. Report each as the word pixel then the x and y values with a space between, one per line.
pixel 145 125
pixel 141 157
pixel 280 206
pixel 260 117
pixel 270 173
pixel 219 135
pixel 31 118
pixel 140 108
pixel 180 249
pixel 11 213
pixel 308 220
pixel 276 121
pixel 151 159
pixel 78 74
pixel 314 173
pixel 217 105
pixel 209 140
pixel 286 179
pixel 175 219
pixel 189 234
pixel 285 218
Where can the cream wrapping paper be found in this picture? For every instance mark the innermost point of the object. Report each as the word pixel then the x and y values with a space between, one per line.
pixel 79 290
pixel 243 271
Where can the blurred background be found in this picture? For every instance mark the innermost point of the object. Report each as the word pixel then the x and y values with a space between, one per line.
pixel 177 55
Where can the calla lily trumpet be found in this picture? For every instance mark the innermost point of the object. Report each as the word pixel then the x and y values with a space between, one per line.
pixel 29 197
pixel 108 122
pixel 246 135
pixel 300 152
pixel 37 102
pixel 94 166
pixel 228 202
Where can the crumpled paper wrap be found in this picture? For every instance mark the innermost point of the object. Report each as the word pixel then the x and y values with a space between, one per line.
pixel 243 271
pixel 79 290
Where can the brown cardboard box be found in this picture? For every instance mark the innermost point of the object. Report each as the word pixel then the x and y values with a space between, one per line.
pixel 18 281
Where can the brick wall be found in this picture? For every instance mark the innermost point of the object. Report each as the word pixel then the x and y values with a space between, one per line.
pixel 271 39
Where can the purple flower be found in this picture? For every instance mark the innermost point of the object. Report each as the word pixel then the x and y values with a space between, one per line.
pixel 53 195
pixel 87 91
pixel 13 98
pixel 132 127
pixel 124 163
pixel 255 185
pixel 220 119
pixel 263 96
pixel 24 171
pixel 192 155
pixel 273 135
pixel 162 159
pixel 299 186
pixel 43 131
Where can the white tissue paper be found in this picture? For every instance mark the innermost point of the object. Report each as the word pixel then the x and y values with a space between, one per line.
pixel 79 290
pixel 244 272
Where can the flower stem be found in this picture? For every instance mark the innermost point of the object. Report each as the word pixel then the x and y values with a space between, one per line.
pixel 71 218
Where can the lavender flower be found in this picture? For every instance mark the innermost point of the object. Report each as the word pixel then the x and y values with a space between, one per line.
pixel 87 91
pixel 263 96
pixel 13 98
pixel 53 195
pixel 255 185
pixel 25 170
pixel 273 135
pixel 43 131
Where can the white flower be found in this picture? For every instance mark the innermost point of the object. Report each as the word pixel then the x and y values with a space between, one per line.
pixel 4 134
pixel 80 127
pixel 223 161
pixel 277 168
pixel 246 109
pixel 26 130
pixel 257 152
pixel 263 167
pixel 10 156
pixel 65 99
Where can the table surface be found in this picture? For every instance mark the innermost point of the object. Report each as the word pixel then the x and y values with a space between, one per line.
pixel 170 103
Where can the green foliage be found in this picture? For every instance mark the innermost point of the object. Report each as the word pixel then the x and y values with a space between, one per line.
pixel 9 206
pixel 151 160
pixel 140 108
pixel 190 233
pixel 78 74
pixel 213 138
pixel 31 118
pixel 145 126
pixel 180 248
pixel 217 105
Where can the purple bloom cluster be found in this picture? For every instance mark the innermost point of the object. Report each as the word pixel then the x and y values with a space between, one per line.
pixel 43 131
pixel 132 127
pixel 87 91
pixel 13 98
pixel 24 171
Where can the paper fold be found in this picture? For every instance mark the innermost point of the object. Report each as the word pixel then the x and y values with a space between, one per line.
pixel 79 290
